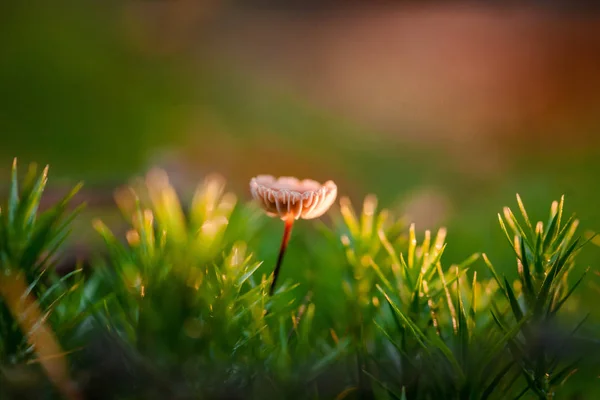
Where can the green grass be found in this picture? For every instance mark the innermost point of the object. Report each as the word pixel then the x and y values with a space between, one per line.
pixel 365 307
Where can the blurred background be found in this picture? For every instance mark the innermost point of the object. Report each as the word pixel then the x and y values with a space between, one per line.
pixel 445 110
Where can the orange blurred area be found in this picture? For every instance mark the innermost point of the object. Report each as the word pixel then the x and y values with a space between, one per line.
pixel 470 78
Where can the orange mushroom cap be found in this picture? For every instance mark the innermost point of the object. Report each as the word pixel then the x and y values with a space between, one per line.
pixel 288 196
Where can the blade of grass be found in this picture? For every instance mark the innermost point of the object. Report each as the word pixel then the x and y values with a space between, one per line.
pixel 524 213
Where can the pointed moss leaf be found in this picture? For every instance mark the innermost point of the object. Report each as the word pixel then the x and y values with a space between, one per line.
pixel 562 301
pixel 61 234
pixel 561 206
pixel 448 300
pixel 570 233
pixel 492 269
pixel 407 272
pixel 380 274
pixel 40 237
pixel 440 239
pixel 508 236
pixel 561 376
pixel 249 273
pixel 556 359
pixel 553 211
pixel 412 245
pixel 27 183
pixel 70 194
pixel 524 213
pixel 405 322
pixel 526 269
pixel 432 310
pixel 349 217
pixel 399 325
pixel 424 249
pixel 13 197
pixel 389 249
pixel 463 328
pixel 34 284
pixel 550 232
pixel 449 282
pixel 328 359
pixel 473 305
pixel 514 303
pixel 28 208
pixel 496 317
pixel 406 359
pixel 111 241
pixel 508 339
pixel 585 243
pixel 306 324
pixel 551 276
pixel 514 223
pixel 566 228
pixel 367 216
pixel 434 262
pixel 416 296
pixel 469 261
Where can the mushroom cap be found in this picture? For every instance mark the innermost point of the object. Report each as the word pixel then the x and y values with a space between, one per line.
pixel 288 196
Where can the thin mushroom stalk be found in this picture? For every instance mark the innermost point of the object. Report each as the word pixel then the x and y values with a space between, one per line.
pixel 290 199
pixel 287 232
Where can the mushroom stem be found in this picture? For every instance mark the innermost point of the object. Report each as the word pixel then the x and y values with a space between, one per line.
pixel 287 230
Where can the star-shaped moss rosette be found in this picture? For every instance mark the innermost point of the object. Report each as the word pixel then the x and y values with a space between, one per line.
pixel 290 199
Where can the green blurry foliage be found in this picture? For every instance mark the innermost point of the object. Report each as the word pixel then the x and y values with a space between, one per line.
pixel 77 92
pixel 30 242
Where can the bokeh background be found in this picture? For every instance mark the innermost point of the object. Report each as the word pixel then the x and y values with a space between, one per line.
pixel 445 110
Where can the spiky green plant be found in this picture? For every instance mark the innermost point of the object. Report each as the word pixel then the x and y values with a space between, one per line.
pixel 30 289
pixel 179 306
pixel 545 256
pixel 186 295
pixel 440 346
pixel 360 236
pixel 373 243
pixel 446 335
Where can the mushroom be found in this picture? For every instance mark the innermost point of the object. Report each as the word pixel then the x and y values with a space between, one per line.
pixel 290 199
